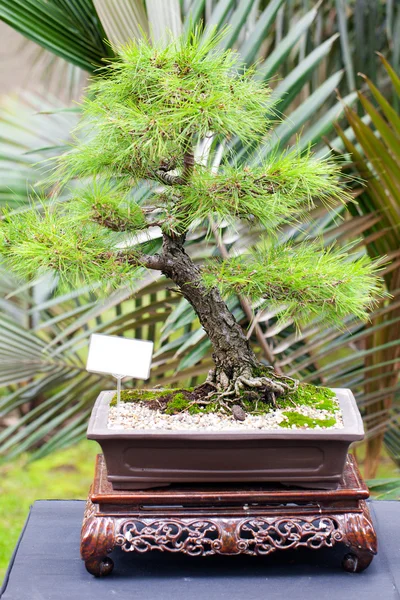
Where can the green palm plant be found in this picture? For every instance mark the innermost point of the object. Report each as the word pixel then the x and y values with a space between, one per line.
pixel 376 154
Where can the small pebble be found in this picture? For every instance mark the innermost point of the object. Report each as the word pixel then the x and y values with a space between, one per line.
pixel 238 413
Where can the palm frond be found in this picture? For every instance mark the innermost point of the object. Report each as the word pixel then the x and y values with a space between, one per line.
pixel 376 160
pixel 70 29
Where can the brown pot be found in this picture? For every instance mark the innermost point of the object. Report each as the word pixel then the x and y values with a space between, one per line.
pixel 140 459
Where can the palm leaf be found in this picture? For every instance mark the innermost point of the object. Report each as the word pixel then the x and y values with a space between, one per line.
pixel 164 18
pixel 377 163
pixel 71 30
pixel 122 21
pixel 385 489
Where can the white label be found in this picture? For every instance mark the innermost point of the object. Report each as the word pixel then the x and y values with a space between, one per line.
pixel 119 356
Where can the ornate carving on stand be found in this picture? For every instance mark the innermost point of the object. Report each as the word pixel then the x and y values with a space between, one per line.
pixel 255 536
pixel 261 536
pixel 122 519
pixel 196 537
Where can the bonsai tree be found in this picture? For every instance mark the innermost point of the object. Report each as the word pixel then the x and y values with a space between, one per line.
pixel 142 119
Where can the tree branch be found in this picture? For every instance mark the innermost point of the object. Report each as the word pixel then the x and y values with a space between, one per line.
pixel 231 348
pixel 188 164
pixel 165 175
pixel 150 261
pixel 112 224
pixel 168 178
pixel 122 225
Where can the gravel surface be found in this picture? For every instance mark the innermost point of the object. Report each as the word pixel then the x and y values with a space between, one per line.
pixel 136 415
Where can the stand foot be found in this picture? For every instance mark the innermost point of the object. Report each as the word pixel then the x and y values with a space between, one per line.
pixel 97 540
pixel 360 537
pixel 99 566
pixel 357 562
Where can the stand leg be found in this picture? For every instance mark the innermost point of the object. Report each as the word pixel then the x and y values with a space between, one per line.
pixel 97 540
pixel 360 537
pixel 99 566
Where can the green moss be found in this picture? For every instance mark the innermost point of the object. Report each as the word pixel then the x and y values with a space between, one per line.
pixel 180 403
pixel 177 404
pixel 310 395
pixel 260 407
pixel 202 410
pixel 262 371
pixel 320 398
pixel 299 420
pixel 141 395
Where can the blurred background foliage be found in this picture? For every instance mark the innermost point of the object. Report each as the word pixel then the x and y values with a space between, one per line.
pixel 312 54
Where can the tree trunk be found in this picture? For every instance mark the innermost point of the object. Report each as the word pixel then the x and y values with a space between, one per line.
pixel 232 352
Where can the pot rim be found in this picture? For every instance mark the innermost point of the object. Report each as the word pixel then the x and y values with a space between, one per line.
pixel 353 429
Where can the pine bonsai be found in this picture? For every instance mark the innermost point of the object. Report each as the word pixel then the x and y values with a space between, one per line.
pixel 142 120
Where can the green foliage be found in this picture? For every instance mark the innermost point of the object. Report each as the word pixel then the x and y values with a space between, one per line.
pixel 385 488
pixel 303 281
pixel 298 420
pixel 108 204
pixel 145 114
pixel 71 29
pixel 281 190
pixel 146 107
pixel 49 238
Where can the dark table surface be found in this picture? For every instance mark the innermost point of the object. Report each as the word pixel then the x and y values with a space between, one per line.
pixel 46 566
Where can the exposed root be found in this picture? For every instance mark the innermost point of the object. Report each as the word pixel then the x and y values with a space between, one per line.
pixel 211 378
pixel 228 390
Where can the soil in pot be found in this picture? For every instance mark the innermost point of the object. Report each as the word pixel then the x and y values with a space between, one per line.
pixel 308 407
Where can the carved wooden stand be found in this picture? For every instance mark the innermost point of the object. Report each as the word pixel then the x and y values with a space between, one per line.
pixel 201 521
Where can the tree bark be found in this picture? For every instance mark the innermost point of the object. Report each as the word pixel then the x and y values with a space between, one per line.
pixel 232 352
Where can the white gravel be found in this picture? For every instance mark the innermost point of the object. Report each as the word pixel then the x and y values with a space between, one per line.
pixel 136 415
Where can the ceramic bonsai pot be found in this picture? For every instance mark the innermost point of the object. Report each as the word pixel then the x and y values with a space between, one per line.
pixel 140 459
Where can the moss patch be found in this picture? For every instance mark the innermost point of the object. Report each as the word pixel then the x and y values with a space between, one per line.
pixel 140 395
pixel 320 398
pixel 171 401
pixel 177 403
pixel 157 399
pixel 301 421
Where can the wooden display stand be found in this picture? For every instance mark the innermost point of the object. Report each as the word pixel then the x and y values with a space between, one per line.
pixel 237 519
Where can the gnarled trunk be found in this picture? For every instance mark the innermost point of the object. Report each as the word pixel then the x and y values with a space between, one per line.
pixel 232 352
